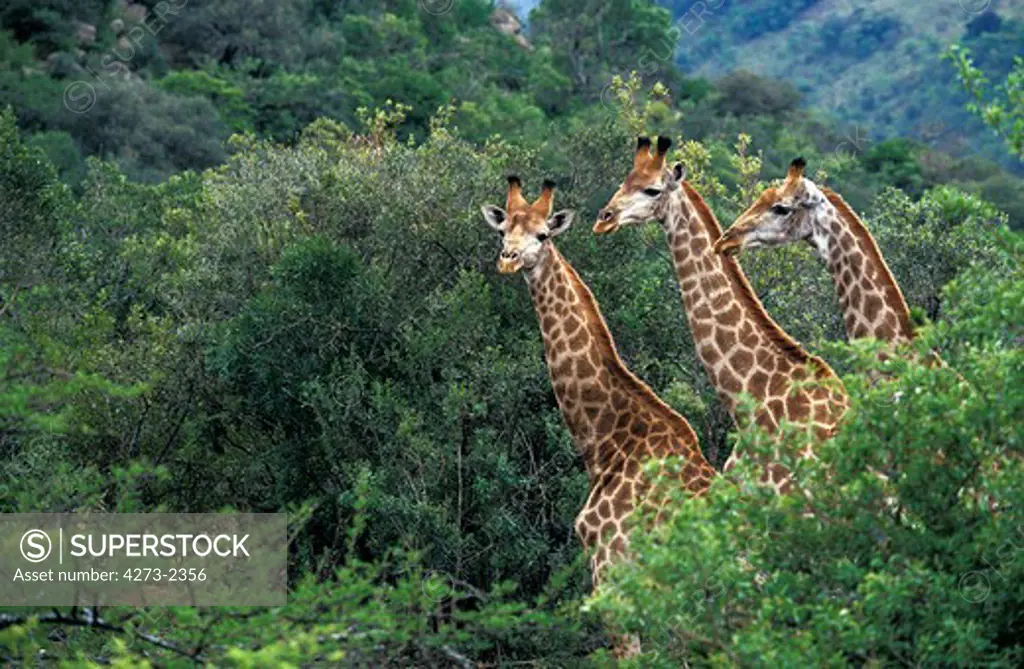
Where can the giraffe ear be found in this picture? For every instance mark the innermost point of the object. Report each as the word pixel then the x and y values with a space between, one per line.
pixel 494 216
pixel 674 175
pixel 796 168
pixel 560 221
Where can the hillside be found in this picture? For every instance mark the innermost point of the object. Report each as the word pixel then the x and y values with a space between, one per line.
pixel 873 63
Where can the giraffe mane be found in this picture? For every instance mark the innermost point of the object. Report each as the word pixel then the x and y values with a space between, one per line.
pixel 742 289
pixel 870 246
pixel 617 367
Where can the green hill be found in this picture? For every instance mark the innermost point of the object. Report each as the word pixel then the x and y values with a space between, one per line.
pixel 160 91
pixel 872 63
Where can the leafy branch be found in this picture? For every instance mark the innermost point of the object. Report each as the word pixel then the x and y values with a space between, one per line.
pixel 1002 109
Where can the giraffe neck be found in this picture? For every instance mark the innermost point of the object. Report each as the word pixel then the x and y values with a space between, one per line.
pixel 872 303
pixel 741 347
pixel 599 397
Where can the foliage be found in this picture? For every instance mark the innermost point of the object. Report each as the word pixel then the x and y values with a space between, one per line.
pixel 1003 111
pixel 896 161
pixel 303 316
pixel 33 202
pixel 391 612
pixel 302 321
pixel 636 107
pixel 757 18
pixel 162 95
pixel 229 99
pixel 859 35
pixel 743 93
pixel 917 569
pixel 589 54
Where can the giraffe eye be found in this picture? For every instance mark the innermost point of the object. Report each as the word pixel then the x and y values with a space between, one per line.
pixel 542 236
pixel 652 192
pixel 781 209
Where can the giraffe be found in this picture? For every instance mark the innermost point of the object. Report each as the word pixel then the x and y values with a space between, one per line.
pixel 871 300
pixel 615 419
pixel 742 349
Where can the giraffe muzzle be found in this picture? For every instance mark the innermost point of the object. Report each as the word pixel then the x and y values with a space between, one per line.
pixel 509 263
pixel 731 242
pixel 607 221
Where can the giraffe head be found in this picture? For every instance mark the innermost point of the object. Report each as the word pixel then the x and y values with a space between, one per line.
pixel 641 196
pixel 525 228
pixel 780 216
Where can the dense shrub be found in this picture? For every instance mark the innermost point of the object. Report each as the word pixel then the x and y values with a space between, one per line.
pixel 320 327
pixel 316 327
pixel 917 570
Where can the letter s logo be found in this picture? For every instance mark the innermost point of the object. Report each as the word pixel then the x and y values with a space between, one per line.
pixel 36 545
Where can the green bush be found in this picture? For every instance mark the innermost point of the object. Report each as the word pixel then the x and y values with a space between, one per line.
pixel 318 328
pixel 33 203
pixel 917 570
